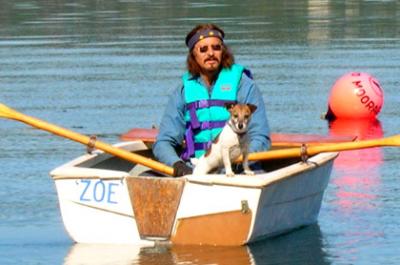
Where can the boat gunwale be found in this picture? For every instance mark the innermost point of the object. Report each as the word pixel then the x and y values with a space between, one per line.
pixel 71 170
pixel 265 179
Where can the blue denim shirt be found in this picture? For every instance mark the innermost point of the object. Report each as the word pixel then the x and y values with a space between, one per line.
pixel 172 126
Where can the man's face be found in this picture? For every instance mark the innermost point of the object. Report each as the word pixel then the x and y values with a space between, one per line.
pixel 208 53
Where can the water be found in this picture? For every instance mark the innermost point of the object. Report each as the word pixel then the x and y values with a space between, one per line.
pixel 104 67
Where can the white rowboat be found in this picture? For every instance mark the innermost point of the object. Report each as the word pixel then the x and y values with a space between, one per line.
pixel 104 199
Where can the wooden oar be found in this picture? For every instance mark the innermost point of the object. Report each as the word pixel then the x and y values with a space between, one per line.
pixel 314 144
pixel 316 149
pixel 8 113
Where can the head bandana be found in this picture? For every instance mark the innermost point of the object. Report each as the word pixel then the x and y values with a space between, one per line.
pixel 202 34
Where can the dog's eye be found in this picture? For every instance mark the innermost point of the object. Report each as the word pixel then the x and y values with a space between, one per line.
pixel 235 116
pixel 246 116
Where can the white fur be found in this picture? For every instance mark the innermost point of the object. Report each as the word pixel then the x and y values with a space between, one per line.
pixel 229 147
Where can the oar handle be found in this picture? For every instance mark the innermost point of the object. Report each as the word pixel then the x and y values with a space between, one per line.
pixel 9 113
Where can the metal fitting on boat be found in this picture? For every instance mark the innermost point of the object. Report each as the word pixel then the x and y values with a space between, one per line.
pixel 245 206
pixel 303 153
pixel 91 144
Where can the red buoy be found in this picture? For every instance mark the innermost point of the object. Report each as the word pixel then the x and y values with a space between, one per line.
pixel 355 96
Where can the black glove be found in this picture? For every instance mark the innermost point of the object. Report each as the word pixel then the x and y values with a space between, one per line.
pixel 181 169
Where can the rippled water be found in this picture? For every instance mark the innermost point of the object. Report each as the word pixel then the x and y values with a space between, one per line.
pixel 104 67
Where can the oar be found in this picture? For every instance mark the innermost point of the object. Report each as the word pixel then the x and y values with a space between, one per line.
pixel 316 149
pixel 8 113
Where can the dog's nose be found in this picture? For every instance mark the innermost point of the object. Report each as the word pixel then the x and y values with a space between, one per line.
pixel 240 126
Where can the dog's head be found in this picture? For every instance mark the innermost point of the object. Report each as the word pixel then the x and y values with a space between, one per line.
pixel 240 116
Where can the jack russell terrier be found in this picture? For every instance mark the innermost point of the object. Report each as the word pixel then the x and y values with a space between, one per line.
pixel 232 142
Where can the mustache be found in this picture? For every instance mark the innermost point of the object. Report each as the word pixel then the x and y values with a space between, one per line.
pixel 211 58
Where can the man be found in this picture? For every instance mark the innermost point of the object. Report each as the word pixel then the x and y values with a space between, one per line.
pixel 195 111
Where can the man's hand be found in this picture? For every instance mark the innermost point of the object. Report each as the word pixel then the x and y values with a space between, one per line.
pixel 181 169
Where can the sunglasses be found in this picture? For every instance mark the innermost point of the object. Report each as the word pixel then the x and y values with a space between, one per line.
pixel 216 47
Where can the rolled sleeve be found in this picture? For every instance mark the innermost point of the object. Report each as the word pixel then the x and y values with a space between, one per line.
pixel 171 131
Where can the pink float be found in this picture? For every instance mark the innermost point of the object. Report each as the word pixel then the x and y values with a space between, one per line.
pixel 355 96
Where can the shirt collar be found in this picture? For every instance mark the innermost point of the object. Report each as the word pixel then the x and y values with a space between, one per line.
pixel 200 80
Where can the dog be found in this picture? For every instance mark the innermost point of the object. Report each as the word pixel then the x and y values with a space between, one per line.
pixel 232 142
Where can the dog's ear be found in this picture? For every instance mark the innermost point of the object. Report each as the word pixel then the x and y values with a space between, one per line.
pixel 252 107
pixel 229 105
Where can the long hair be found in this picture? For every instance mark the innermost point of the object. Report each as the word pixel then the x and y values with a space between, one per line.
pixel 227 59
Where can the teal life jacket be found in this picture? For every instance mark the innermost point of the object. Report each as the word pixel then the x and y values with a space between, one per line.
pixel 206 114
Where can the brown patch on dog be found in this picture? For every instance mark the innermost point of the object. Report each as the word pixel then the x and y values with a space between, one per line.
pixel 252 107
pixel 242 112
pixel 236 109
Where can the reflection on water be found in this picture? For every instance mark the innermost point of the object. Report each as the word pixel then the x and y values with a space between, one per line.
pixel 303 247
pixel 125 254
pixel 358 171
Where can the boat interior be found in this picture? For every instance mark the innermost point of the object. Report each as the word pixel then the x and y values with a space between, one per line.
pixel 109 162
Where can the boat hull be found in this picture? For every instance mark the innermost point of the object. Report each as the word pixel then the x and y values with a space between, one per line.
pixel 105 200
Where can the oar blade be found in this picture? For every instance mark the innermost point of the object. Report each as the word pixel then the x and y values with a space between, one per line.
pixel 5 112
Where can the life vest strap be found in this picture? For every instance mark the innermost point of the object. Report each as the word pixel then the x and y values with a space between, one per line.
pixel 200 104
pixel 206 103
pixel 202 146
pixel 208 125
